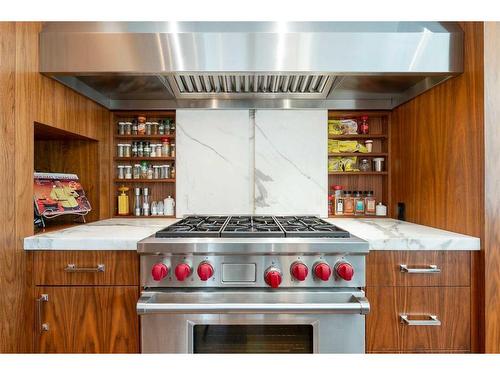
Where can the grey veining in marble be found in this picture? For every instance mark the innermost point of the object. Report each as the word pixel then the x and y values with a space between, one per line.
pixel 390 234
pixel 214 160
pixel 291 162
pixel 111 234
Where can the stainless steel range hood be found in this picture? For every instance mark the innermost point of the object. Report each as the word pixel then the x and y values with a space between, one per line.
pixel 166 65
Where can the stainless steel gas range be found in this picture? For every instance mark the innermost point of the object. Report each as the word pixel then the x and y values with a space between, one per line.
pixel 252 284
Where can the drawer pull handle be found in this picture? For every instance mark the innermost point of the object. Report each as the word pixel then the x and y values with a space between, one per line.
pixel 431 269
pixel 432 321
pixel 43 326
pixel 73 268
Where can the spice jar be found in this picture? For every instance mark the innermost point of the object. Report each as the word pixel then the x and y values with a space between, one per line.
pixel 156 172
pixel 134 128
pixel 172 171
pixel 165 143
pixel 167 126
pixel 154 128
pixel 121 173
pixel 153 150
pixel 172 150
pixel 165 171
pixel 147 150
pixel 120 150
pixel 161 128
pixel 364 165
pixel 140 150
pixel 136 172
pixel 121 128
pixel 128 172
pixel 158 150
pixel 148 128
pixel 150 172
pixel 134 149
pixel 127 148
pixel 144 169
pixel 128 128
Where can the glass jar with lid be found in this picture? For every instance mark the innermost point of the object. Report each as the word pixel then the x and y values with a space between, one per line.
pixel 165 146
pixel 121 128
pixel 134 149
pixel 119 151
pixel 172 150
pixel 154 127
pixel 148 128
pixel 150 172
pixel 364 165
pixel 121 172
pixel 156 172
pixel 140 149
pixel 127 150
pixel 147 150
pixel 136 173
pixel 128 172
pixel 128 128
pixel 158 150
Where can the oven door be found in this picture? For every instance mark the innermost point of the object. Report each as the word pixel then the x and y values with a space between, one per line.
pixel 257 321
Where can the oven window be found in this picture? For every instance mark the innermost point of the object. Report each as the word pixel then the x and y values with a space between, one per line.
pixel 253 338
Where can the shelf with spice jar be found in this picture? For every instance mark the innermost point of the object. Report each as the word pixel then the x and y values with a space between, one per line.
pixel 368 170
pixel 144 153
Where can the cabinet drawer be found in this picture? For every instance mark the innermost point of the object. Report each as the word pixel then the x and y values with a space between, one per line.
pixel 387 332
pixel 418 268
pixel 86 268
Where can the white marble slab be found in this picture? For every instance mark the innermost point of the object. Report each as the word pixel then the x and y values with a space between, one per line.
pixel 214 162
pixel 291 162
pixel 389 234
pixel 111 234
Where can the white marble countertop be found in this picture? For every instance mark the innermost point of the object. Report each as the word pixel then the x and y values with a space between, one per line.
pixel 110 234
pixel 390 234
pixel 123 234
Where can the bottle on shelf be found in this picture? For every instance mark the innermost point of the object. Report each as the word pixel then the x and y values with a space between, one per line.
pixel 339 200
pixel 363 128
pixel 359 204
pixel 123 205
pixel 331 198
pixel 137 202
pixel 348 203
pixel 168 206
pixel 370 203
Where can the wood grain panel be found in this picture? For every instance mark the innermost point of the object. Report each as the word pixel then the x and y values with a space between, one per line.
pixel 385 332
pixel 27 97
pixel 438 159
pixel 383 268
pixel 121 268
pixel 492 185
pixel 89 320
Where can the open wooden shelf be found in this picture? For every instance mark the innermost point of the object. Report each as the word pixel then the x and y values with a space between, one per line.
pixel 144 137
pixel 356 217
pixel 162 158
pixel 144 180
pixel 360 154
pixel 143 217
pixel 358 173
pixel 357 136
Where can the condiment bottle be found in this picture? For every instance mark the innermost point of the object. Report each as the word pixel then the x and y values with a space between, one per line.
pixel 359 204
pixel 123 207
pixel 165 146
pixel 370 204
pixel 348 203
pixel 339 200
pixel 363 128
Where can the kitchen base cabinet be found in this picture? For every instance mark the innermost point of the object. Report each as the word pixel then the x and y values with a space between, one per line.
pixel 87 319
pixel 418 319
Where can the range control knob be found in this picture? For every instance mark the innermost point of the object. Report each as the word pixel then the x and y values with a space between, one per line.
pixel 322 271
pixel 273 277
pixel 182 271
pixel 205 271
pixel 299 271
pixel 344 270
pixel 159 271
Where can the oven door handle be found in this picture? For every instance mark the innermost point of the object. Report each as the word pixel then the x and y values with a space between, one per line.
pixel 359 305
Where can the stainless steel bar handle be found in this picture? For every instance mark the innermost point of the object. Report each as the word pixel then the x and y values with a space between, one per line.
pixel 73 268
pixel 431 269
pixel 359 306
pixel 432 321
pixel 43 326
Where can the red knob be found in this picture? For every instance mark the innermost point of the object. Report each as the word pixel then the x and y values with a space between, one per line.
pixel 322 271
pixel 344 271
pixel 205 271
pixel 273 278
pixel 299 271
pixel 182 271
pixel 159 271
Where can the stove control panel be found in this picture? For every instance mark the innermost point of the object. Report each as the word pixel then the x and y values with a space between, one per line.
pixel 313 271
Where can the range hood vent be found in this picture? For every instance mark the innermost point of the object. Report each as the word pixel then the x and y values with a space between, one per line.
pixel 247 85
pixel 331 65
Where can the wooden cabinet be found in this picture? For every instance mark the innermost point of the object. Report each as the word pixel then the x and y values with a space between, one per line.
pixel 87 320
pixel 418 311
pixel 85 302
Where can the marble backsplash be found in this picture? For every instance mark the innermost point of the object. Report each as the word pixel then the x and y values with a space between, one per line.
pixel 244 162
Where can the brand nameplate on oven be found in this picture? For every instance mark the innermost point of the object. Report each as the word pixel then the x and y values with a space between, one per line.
pixel 238 273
